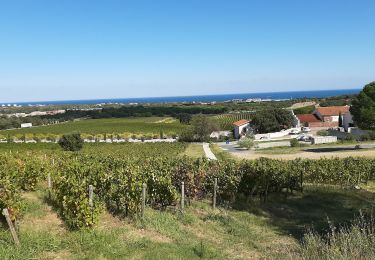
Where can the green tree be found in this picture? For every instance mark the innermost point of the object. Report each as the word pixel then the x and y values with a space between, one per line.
pixel 340 120
pixel 200 129
pixel 184 118
pixel 273 120
pixel 71 142
pixel 363 108
pixel 246 142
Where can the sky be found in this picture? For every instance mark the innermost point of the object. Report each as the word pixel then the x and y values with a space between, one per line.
pixel 87 49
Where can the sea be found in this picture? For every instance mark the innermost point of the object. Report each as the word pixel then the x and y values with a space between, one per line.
pixel 202 98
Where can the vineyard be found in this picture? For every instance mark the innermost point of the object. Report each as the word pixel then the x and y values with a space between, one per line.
pixel 225 121
pixel 117 180
pixel 153 186
pixel 124 127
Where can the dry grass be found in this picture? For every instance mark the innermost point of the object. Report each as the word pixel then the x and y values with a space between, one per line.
pixel 303 154
pixel 195 151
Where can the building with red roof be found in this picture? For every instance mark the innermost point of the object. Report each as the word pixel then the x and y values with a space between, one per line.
pixel 241 127
pixel 327 117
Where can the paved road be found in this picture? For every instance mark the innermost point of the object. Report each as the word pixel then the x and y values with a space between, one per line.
pixel 209 154
pixel 308 152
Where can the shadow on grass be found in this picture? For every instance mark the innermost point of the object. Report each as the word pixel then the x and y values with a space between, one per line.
pixel 331 149
pixel 317 208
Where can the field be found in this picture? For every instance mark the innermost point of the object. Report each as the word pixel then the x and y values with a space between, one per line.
pixel 252 220
pixel 126 126
pixel 225 121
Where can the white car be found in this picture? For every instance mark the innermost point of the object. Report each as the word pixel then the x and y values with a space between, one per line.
pixel 304 138
pixel 294 132
pixel 306 129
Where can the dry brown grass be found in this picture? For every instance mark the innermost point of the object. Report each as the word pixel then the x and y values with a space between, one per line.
pixel 306 155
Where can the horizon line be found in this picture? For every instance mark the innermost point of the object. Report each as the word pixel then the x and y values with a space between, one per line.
pixel 187 96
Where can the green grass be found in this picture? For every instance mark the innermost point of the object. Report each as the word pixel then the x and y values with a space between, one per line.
pixel 249 230
pixel 220 153
pixel 128 126
pixel 194 150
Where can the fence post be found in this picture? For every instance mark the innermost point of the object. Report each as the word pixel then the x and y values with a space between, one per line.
pixel 91 195
pixel 91 201
pixel 11 227
pixel 301 180
pixel 182 196
pixel 49 185
pixel 144 187
pixel 215 191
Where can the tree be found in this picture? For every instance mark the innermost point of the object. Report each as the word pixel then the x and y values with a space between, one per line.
pixel 71 142
pixel 340 120
pixel 200 129
pixel 265 121
pixel 184 118
pixel 363 107
pixel 246 142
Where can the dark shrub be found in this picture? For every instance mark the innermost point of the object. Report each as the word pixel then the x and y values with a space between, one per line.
pixel 71 142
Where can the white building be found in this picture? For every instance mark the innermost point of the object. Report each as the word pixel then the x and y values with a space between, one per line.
pixel 26 125
pixel 241 127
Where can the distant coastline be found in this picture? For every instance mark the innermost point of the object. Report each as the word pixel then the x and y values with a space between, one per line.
pixel 199 98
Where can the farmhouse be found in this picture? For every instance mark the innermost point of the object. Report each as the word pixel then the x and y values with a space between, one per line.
pixel 327 117
pixel 241 127
pixel 331 114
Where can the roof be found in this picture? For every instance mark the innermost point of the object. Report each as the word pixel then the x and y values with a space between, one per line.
pixel 241 122
pixel 307 118
pixel 332 111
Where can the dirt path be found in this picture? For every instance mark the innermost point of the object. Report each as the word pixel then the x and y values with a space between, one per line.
pixel 209 154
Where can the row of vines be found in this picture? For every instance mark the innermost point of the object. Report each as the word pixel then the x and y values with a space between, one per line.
pixel 225 121
pixel 117 181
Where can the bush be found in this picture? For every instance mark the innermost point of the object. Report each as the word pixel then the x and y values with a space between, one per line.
pixel 322 133
pixel 350 137
pixel 294 143
pixel 71 142
pixel 246 143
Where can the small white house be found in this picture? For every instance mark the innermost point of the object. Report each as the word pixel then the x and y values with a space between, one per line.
pixel 241 127
pixel 218 134
pixel 26 125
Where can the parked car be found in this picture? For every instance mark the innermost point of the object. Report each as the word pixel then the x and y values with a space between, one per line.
pixel 304 138
pixel 294 132
pixel 306 129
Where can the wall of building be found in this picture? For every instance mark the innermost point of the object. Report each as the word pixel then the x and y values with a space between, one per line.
pixel 323 124
pixel 324 139
pixel 238 130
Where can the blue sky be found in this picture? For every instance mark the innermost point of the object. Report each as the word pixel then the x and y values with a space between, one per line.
pixel 76 49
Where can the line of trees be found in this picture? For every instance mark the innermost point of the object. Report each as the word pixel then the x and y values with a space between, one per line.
pixel 142 111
